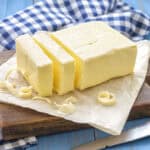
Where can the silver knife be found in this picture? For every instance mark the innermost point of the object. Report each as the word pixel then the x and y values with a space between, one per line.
pixel 133 134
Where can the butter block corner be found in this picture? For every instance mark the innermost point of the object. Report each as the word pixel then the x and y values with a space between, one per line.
pixel 101 52
pixel 34 65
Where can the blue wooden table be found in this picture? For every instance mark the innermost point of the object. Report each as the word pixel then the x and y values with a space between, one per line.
pixel 66 141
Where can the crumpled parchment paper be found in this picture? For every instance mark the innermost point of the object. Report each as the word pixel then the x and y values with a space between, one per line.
pixel 109 119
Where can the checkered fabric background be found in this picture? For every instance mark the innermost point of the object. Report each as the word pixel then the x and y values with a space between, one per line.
pixel 53 15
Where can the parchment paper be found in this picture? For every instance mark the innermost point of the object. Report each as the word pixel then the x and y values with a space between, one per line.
pixel 109 119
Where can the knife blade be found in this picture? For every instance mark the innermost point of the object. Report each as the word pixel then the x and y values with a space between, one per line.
pixel 132 134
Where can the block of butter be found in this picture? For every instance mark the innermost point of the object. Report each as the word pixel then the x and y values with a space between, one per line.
pixel 101 52
pixel 64 67
pixel 35 66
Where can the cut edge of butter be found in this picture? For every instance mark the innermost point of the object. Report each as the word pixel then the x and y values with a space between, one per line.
pixel 64 68
pixel 77 59
pixel 88 57
pixel 34 65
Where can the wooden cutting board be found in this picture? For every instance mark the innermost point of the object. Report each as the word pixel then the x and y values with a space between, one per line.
pixel 17 122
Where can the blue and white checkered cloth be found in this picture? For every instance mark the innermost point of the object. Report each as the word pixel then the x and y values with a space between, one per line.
pixel 53 15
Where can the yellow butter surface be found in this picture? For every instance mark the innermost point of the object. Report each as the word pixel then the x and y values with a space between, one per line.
pixel 101 52
pixel 64 67
pixel 35 66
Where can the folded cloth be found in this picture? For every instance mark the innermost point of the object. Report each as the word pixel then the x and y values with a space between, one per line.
pixel 52 15
pixel 19 144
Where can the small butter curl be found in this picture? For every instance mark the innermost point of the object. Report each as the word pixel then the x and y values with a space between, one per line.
pixel 106 98
pixel 48 100
pixel 23 92
pixel 68 107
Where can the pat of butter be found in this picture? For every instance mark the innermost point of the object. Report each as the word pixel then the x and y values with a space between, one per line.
pixel 64 68
pixel 101 53
pixel 35 66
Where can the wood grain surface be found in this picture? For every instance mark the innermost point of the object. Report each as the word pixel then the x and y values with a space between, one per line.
pixel 69 140
pixel 17 122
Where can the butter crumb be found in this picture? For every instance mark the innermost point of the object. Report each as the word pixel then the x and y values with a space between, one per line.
pixel 8 73
pixel 106 98
pixel 26 89
pixel 2 84
pixel 68 107
pixel 11 88
pixel 48 100
pixel 71 99
pixel 25 92
pixel 22 92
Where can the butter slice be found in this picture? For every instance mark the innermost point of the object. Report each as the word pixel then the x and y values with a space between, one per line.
pixel 35 66
pixel 101 52
pixel 64 68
